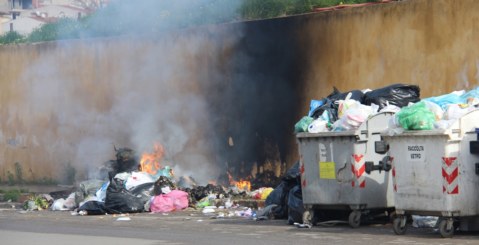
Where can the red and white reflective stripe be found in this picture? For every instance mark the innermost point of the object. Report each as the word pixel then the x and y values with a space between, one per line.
pixel 301 171
pixel 393 172
pixel 394 179
pixel 358 168
pixel 450 172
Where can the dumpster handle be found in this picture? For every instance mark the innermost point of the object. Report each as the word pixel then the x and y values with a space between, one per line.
pixel 474 144
pixel 384 164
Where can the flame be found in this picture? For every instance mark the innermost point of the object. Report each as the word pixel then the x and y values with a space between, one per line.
pixel 243 185
pixel 150 162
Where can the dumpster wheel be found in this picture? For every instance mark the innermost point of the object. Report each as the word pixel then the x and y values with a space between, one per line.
pixel 399 225
pixel 444 230
pixel 308 215
pixel 355 219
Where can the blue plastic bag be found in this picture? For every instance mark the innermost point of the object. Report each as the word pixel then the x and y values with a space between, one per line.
pixel 313 105
pixel 444 100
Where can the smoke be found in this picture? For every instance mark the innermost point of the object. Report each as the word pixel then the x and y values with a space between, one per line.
pixel 154 95
pixel 215 96
pixel 153 16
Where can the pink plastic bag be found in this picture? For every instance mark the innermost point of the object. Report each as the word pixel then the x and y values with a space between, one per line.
pixel 175 200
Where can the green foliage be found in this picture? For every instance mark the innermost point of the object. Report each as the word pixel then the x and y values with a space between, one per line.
pixel 11 37
pixel 63 29
pixel 328 3
pixel 12 195
pixel 254 9
pixel 120 18
pixel 260 9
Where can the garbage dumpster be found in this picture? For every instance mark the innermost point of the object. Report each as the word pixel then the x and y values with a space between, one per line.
pixel 342 171
pixel 435 173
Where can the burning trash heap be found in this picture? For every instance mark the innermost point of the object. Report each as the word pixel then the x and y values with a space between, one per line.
pixel 129 185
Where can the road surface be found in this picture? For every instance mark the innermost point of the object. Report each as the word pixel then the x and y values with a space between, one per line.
pixel 194 227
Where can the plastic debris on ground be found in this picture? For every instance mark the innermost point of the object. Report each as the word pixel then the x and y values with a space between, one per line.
pixel 266 212
pixel 38 202
pixel 261 193
pixel 124 219
pixel 424 221
pixel 301 225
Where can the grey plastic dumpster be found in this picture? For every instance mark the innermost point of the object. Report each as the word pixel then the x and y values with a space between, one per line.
pixel 435 172
pixel 342 171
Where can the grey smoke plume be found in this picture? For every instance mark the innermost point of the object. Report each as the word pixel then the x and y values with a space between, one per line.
pixel 150 16
pixel 91 95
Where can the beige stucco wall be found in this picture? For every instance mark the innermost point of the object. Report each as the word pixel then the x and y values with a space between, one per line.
pixel 70 102
pixel 424 42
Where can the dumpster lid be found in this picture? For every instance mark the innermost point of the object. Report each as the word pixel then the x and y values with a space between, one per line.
pixel 327 134
pixel 417 133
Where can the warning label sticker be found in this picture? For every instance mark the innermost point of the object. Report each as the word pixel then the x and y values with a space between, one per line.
pixel 327 170
pixel 416 153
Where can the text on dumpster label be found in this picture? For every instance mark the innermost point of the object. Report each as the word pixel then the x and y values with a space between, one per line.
pixel 415 153
pixel 327 170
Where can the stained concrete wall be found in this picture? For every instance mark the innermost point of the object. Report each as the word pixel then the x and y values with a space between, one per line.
pixel 219 96
pixel 428 43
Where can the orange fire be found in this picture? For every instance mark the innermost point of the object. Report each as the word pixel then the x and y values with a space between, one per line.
pixel 150 162
pixel 243 185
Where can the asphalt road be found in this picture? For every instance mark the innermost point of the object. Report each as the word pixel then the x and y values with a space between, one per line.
pixel 193 227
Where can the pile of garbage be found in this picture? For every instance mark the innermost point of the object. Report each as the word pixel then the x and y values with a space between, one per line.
pixel 122 187
pixel 347 111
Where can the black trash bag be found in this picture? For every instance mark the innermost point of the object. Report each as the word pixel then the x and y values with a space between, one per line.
pixel 293 175
pixel 397 94
pixel 328 106
pixel 279 196
pixel 295 205
pixel 144 191
pixel 357 95
pixel 331 107
pixel 126 161
pixel 119 200
pixel 146 188
pixel 94 208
